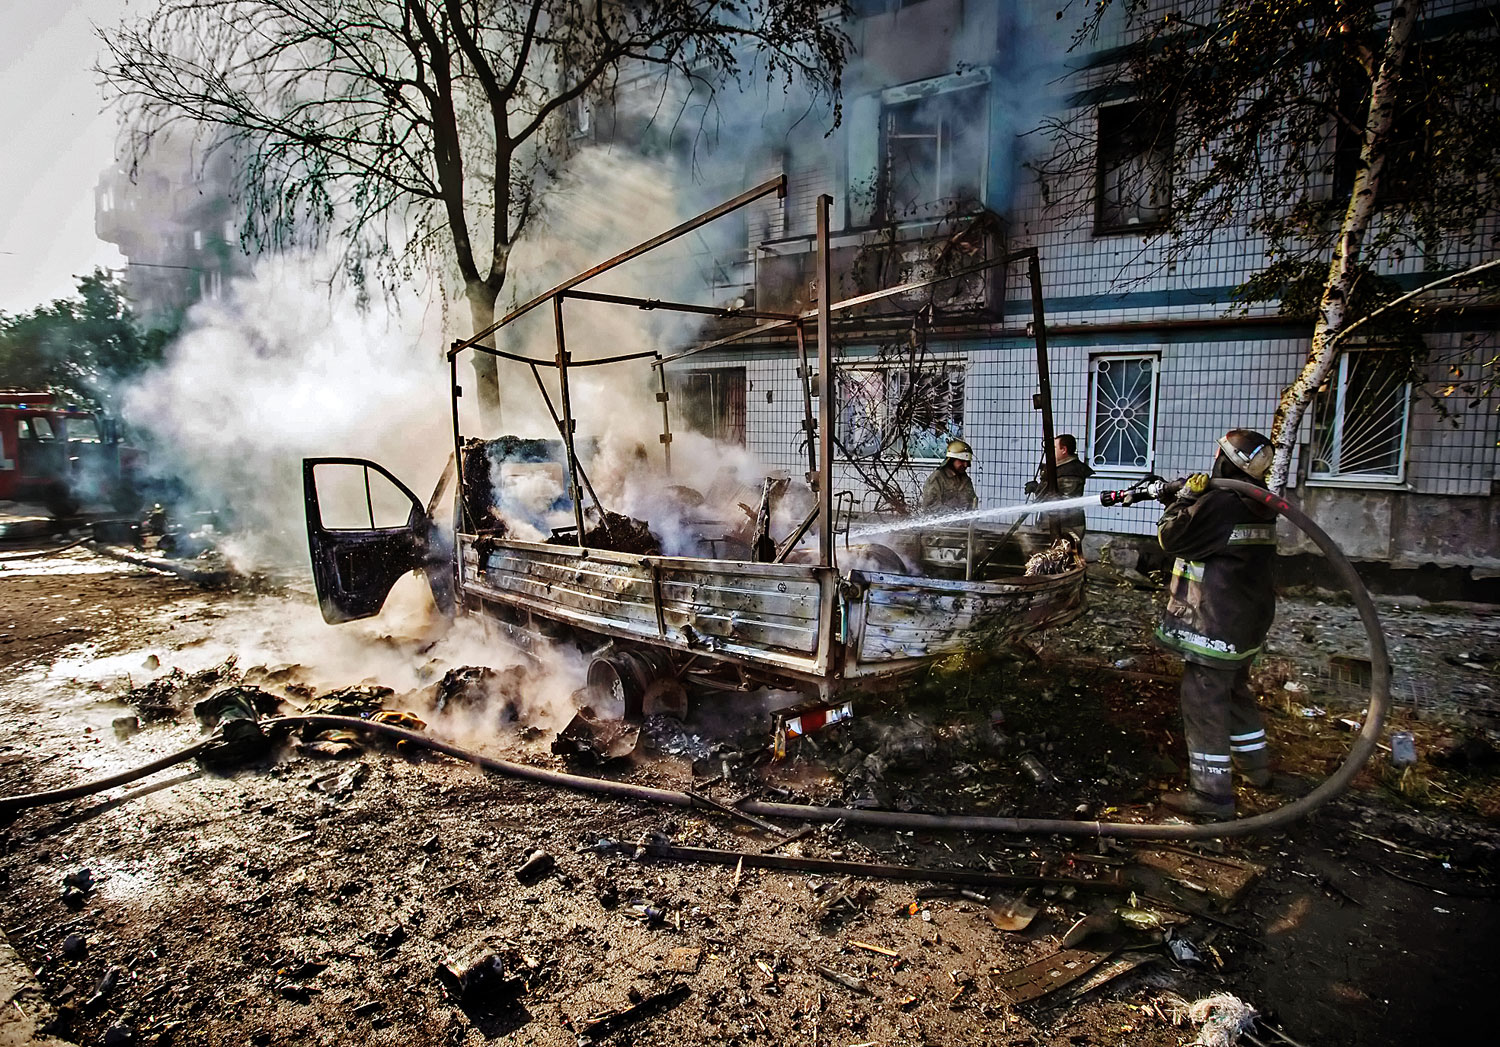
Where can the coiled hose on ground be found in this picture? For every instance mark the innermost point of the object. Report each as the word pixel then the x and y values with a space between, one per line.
pixel 1364 745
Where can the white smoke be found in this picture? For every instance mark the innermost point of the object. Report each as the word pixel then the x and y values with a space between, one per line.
pixel 287 366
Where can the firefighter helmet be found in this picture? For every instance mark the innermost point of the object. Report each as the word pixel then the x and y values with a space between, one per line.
pixel 960 451
pixel 1248 451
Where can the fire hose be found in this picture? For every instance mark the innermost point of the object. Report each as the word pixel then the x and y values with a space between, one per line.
pixel 1336 783
pixel 33 554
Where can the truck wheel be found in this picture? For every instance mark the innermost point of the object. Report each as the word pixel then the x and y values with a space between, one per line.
pixel 620 679
pixel 615 686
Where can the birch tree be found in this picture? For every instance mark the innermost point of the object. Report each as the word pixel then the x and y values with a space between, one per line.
pixel 409 131
pixel 1350 135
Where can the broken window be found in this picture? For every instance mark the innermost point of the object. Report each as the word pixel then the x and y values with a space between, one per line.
pixel 902 412
pixel 1134 185
pixel 712 402
pixel 352 497
pixel 1122 421
pixel 1360 419
pixel 935 147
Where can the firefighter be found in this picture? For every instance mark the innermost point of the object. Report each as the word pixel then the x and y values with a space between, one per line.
pixel 1220 604
pixel 949 488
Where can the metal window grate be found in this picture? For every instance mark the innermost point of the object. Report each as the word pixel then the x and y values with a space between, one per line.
pixel 1360 419
pixel 1122 425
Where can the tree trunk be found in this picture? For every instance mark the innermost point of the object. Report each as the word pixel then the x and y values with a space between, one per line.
pixel 481 298
pixel 1333 308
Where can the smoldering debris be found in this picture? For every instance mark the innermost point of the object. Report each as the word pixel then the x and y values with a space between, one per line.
pixel 474 686
pixel 589 740
pixel 612 531
pixel 169 695
pixel 1062 556
pixel 360 700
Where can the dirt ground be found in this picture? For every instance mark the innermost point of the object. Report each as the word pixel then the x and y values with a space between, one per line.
pixel 309 900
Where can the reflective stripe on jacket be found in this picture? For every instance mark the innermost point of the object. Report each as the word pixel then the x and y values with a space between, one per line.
pixel 1221 599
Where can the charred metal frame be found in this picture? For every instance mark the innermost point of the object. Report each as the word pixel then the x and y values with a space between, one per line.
pixel 828 662
pixel 820 461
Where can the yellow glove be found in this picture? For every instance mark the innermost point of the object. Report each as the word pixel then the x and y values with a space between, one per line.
pixel 1196 485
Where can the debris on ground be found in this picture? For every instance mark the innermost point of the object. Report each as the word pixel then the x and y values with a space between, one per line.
pixel 590 740
pixel 1040 977
pixel 599 1026
pixel 169 695
pixel 537 865
pixel 477 976
pixel 1222 1017
pixel 1012 913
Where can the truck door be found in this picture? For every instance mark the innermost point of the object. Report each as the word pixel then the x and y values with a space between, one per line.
pixel 42 455
pixel 365 529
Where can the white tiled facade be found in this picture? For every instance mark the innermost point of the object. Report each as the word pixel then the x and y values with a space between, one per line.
pixel 1117 294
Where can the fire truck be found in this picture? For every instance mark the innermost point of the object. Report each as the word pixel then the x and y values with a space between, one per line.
pixel 62 456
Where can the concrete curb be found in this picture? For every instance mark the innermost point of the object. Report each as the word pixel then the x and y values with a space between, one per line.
pixel 24 1010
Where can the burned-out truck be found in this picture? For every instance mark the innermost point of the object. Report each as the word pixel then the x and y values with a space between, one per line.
pixel 740 606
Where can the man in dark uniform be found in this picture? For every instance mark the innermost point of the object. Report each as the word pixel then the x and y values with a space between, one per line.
pixel 1071 476
pixel 949 489
pixel 1220 604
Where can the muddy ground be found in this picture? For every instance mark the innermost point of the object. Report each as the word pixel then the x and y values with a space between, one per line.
pixel 304 899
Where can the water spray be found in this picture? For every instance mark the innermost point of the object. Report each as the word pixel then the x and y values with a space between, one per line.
pixel 917 523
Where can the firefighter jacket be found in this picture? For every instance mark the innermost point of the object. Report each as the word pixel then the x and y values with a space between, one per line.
pixel 948 490
pixel 1221 599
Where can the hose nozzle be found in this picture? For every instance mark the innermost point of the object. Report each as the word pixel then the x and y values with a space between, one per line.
pixel 1152 487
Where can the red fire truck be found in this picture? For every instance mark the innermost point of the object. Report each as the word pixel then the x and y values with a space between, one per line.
pixel 62 456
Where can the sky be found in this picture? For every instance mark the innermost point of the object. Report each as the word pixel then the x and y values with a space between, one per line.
pixel 55 139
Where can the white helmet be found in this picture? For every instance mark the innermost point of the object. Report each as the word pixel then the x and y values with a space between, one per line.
pixel 1248 451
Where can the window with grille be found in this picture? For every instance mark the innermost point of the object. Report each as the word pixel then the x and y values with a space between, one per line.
pixel 1122 417
pixel 1360 419
pixel 900 412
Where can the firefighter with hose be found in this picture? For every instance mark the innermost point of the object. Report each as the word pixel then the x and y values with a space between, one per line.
pixel 1220 604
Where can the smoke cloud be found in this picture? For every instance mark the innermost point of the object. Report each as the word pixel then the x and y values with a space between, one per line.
pixel 288 365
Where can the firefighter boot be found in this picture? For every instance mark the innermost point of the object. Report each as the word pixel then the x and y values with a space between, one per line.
pixel 1199 805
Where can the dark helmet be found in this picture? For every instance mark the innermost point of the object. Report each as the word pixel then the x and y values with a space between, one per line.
pixel 1248 451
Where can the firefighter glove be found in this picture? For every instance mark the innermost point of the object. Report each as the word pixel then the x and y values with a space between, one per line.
pixel 1196 485
pixel 1032 487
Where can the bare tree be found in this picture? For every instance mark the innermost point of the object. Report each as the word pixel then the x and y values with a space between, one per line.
pixel 1349 135
pixel 426 128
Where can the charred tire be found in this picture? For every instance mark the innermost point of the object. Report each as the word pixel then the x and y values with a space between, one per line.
pixel 618 680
